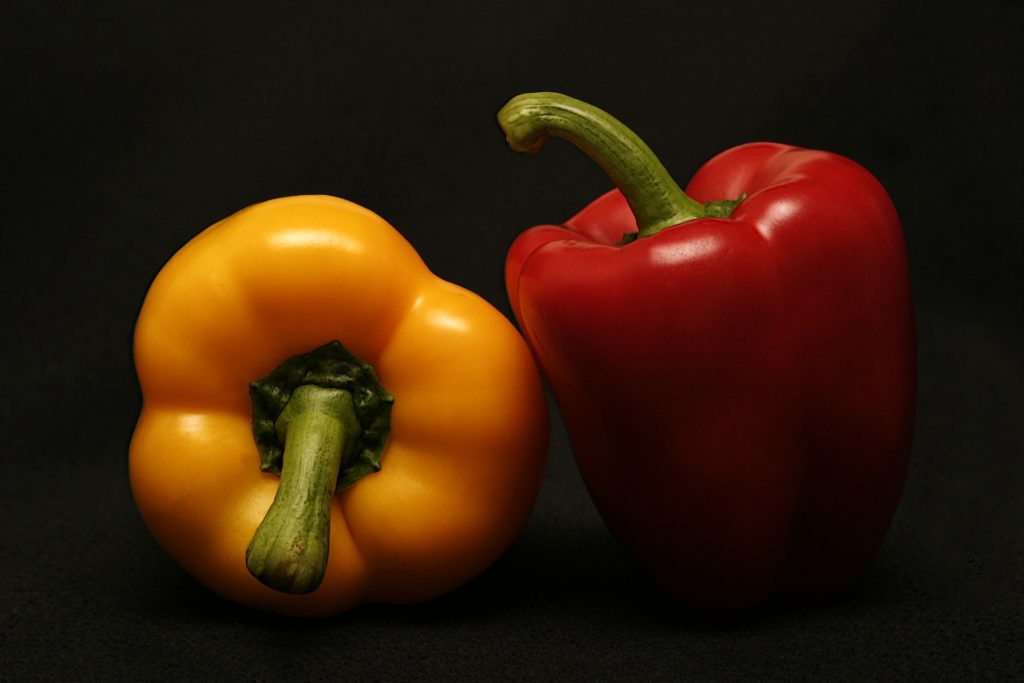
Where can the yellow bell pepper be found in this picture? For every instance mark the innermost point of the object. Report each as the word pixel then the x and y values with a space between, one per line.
pixel 436 390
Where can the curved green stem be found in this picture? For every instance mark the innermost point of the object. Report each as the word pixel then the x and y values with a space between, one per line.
pixel 655 198
pixel 289 550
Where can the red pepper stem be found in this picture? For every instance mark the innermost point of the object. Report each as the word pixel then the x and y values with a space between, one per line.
pixel 655 198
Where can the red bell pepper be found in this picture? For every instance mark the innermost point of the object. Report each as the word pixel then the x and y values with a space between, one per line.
pixel 735 364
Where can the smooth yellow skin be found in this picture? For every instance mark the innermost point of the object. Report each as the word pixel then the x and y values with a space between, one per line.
pixel 469 425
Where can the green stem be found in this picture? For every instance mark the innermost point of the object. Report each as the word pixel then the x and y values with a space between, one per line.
pixel 655 198
pixel 289 550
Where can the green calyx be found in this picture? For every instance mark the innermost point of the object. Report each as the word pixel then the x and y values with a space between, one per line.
pixel 321 421
pixel 654 197
pixel 330 366
pixel 719 208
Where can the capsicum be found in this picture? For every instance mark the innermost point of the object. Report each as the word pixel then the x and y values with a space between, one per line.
pixel 326 422
pixel 735 363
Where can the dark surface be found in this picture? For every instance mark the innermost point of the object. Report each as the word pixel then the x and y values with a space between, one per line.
pixel 131 126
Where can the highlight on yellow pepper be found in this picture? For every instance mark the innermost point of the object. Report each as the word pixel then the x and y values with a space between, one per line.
pixel 325 422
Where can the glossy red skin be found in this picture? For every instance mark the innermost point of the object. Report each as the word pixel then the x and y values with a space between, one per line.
pixel 739 392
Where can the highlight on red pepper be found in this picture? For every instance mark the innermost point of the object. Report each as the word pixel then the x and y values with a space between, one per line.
pixel 325 422
pixel 735 363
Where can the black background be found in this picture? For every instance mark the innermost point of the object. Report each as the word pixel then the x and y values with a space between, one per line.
pixel 132 126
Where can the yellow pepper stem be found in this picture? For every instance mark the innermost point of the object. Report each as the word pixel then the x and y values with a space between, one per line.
pixel 289 550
